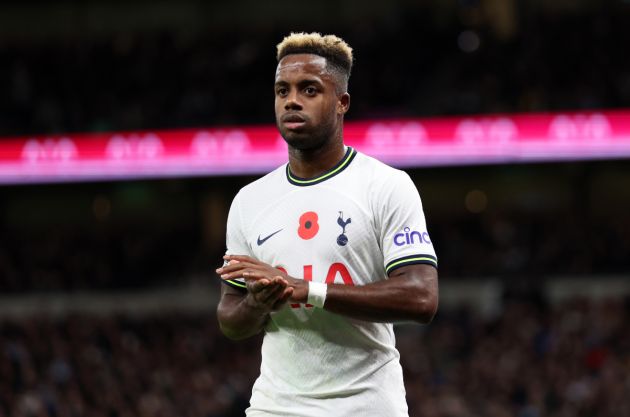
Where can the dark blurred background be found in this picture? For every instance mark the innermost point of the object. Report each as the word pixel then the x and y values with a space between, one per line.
pixel 107 290
pixel 95 65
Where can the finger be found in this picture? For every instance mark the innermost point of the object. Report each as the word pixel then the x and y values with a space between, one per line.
pixel 281 280
pixel 271 293
pixel 273 283
pixel 286 294
pixel 268 284
pixel 258 274
pixel 280 286
pixel 257 286
pixel 245 273
pixel 242 258
pixel 239 266
pixel 284 297
pixel 233 266
pixel 219 269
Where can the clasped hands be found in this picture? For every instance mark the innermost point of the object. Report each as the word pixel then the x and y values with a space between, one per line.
pixel 268 288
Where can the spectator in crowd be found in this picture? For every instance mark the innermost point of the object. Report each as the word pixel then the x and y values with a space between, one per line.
pixel 532 360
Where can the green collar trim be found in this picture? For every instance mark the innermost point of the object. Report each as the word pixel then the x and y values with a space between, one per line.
pixel 343 164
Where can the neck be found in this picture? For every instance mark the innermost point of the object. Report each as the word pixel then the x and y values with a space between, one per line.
pixel 314 162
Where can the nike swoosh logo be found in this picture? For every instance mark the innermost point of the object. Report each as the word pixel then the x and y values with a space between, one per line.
pixel 261 241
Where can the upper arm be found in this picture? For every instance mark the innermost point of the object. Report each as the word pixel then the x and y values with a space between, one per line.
pixel 236 240
pixel 230 297
pixel 420 282
pixel 421 276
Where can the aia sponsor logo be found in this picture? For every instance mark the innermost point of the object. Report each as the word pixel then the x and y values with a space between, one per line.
pixel 411 237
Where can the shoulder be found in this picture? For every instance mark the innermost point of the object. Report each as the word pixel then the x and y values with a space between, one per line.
pixel 386 188
pixel 264 186
pixel 379 175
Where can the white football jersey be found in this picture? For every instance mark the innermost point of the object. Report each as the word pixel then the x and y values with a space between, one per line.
pixel 352 225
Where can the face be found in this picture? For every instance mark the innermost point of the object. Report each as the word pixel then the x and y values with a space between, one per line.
pixel 309 110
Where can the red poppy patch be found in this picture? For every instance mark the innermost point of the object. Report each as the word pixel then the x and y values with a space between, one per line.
pixel 308 225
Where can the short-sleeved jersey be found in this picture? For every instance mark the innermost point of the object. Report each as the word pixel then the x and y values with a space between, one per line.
pixel 352 225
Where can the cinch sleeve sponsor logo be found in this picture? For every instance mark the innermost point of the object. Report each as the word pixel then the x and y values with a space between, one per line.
pixel 411 237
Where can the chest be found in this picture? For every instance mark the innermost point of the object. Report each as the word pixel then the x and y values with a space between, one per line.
pixel 309 231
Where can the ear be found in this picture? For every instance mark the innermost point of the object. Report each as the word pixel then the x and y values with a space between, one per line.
pixel 343 103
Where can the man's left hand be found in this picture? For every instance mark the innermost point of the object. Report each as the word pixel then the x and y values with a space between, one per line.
pixel 248 268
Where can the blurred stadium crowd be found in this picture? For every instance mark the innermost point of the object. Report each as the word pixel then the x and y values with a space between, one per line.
pixel 411 63
pixel 511 246
pixel 73 258
pixel 534 360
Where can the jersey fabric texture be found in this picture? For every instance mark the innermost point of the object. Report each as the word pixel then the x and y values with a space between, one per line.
pixel 352 225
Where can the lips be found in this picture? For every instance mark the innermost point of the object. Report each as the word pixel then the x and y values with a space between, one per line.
pixel 293 121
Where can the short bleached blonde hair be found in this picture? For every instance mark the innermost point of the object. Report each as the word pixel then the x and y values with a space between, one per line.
pixel 337 52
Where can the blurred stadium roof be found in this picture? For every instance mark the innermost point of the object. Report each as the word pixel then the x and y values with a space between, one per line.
pixel 42 19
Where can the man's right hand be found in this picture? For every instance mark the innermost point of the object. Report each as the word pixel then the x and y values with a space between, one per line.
pixel 244 315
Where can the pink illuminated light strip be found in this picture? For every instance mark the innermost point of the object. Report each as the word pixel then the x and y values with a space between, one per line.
pixel 258 149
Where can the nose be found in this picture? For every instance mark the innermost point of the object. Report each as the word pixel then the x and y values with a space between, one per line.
pixel 292 102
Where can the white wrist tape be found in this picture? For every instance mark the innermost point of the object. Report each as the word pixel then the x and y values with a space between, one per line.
pixel 316 294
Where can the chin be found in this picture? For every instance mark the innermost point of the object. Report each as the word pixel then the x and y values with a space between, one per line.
pixel 297 140
pixel 305 140
pixel 303 143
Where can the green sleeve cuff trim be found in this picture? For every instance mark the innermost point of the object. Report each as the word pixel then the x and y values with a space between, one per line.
pixel 236 284
pixel 410 260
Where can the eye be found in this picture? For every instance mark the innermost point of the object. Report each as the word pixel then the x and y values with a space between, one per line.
pixel 281 91
pixel 310 91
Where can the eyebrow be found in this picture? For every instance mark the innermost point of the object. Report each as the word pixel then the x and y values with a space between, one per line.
pixel 301 82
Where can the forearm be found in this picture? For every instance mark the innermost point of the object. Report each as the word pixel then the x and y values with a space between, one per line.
pixel 378 303
pixel 401 298
pixel 239 319
pixel 410 293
